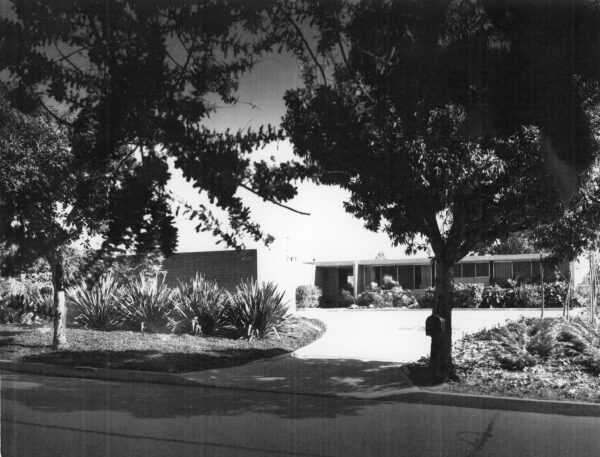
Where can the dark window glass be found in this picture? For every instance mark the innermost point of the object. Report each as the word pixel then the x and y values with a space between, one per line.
pixel 405 276
pixel 522 270
pixel 389 271
pixel 418 281
pixel 535 269
pixel 468 270
pixel 482 269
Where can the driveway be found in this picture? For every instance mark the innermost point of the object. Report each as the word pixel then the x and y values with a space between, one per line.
pixel 394 335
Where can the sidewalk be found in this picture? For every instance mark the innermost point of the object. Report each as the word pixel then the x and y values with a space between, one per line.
pixel 323 376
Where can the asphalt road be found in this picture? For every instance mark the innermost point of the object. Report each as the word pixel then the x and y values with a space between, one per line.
pixel 48 416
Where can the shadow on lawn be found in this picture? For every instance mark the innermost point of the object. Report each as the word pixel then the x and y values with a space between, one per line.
pixel 152 360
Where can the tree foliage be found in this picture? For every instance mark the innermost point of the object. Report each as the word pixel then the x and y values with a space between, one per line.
pixel 136 80
pixel 446 120
pixel 515 243
pixel 35 191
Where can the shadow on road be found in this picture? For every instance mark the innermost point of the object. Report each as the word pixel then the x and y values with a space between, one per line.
pixel 264 392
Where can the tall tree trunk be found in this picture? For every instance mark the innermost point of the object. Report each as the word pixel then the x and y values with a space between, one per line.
pixel 60 305
pixel 440 360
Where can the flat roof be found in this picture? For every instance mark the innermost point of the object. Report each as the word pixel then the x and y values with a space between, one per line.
pixel 427 260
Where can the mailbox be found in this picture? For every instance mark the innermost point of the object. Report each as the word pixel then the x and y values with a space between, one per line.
pixel 435 325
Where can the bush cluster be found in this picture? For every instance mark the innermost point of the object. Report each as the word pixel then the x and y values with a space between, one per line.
pixel 27 300
pixel 147 303
pixel 530 341
pixel 394 297
pixel 514 295
pixel 308 296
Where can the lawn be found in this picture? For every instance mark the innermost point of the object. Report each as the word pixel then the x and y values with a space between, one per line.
pixel 549 359
pixel 148 351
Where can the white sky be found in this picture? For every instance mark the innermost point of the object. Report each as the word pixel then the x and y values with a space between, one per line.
pixel 329 233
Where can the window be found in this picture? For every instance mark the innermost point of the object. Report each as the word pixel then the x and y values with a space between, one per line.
pixel 389 271
pixel 482 269
pixel 405 276
pixel 468 270
pixel 522 270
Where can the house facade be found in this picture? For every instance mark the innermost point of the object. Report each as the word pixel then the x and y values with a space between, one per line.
pixel 417 274
pixel 229 267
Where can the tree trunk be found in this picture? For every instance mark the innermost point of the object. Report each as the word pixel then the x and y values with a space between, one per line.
pixel 60 305
pixel 440 361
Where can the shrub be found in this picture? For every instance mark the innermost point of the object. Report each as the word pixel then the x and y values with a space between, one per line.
pixel 256 310
pixel 40 304
pixel 463 296
pixel 13 307
pixel 581 338
pixel 389 283
pixel 515 295
pixel 543 337
pixel 467 295
pixel 197 307
pixel 373 297
pixel 396 297
pixel 95 306
pixel 427 300
pixel 345 299
pixel 145 303
pixel 307 296
pixel 510 346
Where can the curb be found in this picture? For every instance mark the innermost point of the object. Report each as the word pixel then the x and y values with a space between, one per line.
pixel 525 405
pixel 106 374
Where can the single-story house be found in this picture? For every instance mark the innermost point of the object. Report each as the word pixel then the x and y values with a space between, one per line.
pixel 230 267
pixel 417 274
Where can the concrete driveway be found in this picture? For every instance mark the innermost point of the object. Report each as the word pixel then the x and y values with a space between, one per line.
pixel 394 335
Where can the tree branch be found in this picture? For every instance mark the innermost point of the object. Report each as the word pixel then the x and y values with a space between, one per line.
pixel 307 46
pixel 270 200
pixel 64 57
pixel 56 118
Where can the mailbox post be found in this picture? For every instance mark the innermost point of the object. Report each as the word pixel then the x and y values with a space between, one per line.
pixel 435 326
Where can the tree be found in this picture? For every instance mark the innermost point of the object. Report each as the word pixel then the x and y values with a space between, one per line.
pixel 515 243
pixel 132 82
pixel 36 197
pixel 387 113
pixel 138 78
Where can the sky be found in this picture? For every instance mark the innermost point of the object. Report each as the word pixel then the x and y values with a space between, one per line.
pixel 328 233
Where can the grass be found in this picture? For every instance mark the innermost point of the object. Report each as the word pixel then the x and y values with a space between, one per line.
pixel 549 359
pixel 150 351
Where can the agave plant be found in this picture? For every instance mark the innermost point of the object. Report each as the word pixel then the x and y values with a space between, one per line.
pixel 13 308
pixel 145 303
pixel 256 310
pixel 96 306
pixel 197 307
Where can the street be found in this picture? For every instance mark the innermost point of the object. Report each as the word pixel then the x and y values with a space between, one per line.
pixel 49 416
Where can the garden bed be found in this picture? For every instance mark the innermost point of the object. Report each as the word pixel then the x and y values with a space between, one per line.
pixel 548 359
pixel 151 351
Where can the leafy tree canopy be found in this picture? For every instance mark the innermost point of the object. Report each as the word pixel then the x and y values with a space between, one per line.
pixel 445 119
pixel 515 243
pixel 134 81
pixel 35 188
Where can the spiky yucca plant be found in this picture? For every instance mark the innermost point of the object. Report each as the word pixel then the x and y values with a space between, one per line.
pixel 145 303
pixel 197 307
pixel 256 309
pixel 96 306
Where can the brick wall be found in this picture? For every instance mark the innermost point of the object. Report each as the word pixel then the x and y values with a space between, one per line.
pixel 228 268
